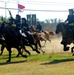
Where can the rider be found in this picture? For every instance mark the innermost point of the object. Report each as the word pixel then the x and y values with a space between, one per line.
pixel 16 26
pixel 70 20
pixel 26 30
pixel 25 26
pixel 39 27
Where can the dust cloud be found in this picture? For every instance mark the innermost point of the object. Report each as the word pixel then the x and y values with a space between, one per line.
pixel 54 46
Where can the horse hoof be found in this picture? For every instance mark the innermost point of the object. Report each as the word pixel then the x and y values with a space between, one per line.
pixel 24 56
pixel 37 51
pixel 66 49
pixel 8 61
pixel 72 54
pixel 17 55
pixel 43 51
pixel 0 54
pixel 29 53
pixel 34 49
pixel 72 49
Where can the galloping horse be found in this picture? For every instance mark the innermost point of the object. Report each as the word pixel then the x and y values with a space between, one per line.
pixel 67 36
pixel 26 41
pixel 11 42
pixel 44 36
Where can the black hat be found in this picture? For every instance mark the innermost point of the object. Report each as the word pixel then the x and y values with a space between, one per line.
pixel 18 16
pixel 71 10
pixel 24 19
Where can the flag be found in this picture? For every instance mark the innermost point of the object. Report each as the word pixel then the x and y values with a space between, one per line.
pixel 21 8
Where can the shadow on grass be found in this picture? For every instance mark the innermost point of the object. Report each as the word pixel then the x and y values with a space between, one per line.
pixel 6 57
pixel 58 61
pixel 15 62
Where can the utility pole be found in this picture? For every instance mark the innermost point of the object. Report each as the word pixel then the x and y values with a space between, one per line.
pixel 5 10
pixel 5 1
pixel 17 5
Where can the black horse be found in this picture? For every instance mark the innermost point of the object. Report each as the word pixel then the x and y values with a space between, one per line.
pixel 67 35
pixel 2 42
pixel 11 42
pixel 26 41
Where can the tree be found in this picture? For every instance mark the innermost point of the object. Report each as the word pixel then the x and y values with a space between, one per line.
pixel 47 21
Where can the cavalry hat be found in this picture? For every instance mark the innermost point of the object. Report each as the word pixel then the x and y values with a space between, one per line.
pixel 24 19
pixel 18 16
pixel 71 10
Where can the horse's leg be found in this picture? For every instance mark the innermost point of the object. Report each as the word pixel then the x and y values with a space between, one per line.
pixel 18 54
pixel 43 39
pixel 44 43
pixel 36 48
pixel 38 42
pixel 49 40
pixel 19 51
pixel 9 50
pixel 72 51
pixel 23 48
pixel 2 49
pixel 26 50
pixel 65 47
pixel 47 36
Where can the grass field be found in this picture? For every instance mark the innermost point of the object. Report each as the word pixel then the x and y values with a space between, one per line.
pixel 50 63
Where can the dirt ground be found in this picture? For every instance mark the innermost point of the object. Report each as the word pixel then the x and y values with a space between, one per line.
pixel 54 46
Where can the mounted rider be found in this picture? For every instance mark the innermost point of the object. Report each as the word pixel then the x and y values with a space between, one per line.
pixel 39 27
pixel 16 26
pixel 70 21
pixel 26 31
pixel 69 24
pixel 25 25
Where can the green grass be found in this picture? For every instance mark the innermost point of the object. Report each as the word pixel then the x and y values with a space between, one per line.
pixel 37 64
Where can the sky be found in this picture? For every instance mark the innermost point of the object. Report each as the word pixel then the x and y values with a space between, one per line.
pixel 47 9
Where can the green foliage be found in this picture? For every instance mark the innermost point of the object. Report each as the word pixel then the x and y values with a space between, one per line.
pixel 55 20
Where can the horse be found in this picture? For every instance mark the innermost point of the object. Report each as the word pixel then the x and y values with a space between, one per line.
pixel 26 42
pixel 34 40
pixel 2 42
pixel 67 36
pixel 11 42
pixel 31 42
pixel 44 35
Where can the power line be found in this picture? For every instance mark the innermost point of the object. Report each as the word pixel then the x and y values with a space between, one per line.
pixel 37 10
pixel 49 4
pixel 42 3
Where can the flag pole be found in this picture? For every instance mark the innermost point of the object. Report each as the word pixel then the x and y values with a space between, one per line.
pixel 17 5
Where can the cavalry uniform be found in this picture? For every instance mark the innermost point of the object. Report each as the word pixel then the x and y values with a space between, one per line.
pixel 70 20
pixel 69 26
pixel 26 30
pixel 39 28
pixel 25 26
pixel 16 25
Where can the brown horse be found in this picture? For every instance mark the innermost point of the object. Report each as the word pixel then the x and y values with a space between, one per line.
pixel 67 36
pixel 44 36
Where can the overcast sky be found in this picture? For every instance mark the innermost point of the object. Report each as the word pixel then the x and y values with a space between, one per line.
pixel 50 5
